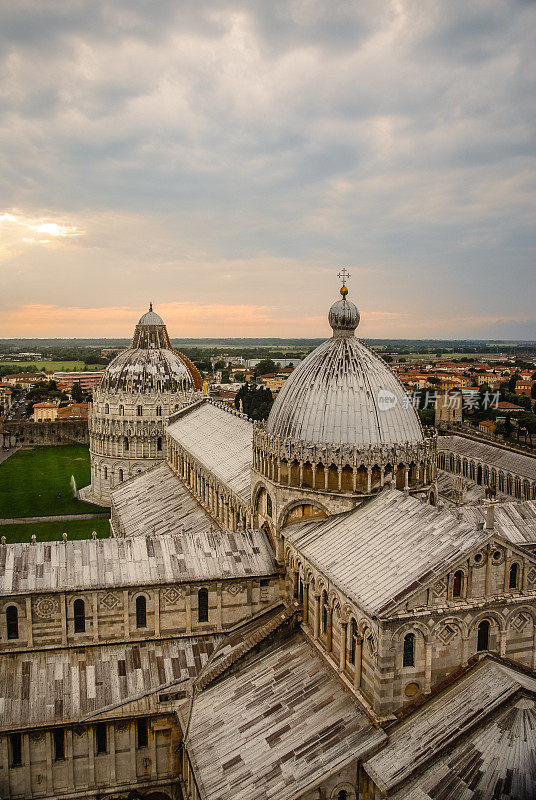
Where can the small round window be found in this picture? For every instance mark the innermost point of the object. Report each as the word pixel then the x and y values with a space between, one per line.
pixel 478 558
pixel 412 689
pixel 497 555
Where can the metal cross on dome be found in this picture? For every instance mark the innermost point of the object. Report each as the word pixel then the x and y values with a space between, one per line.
pixel 344 275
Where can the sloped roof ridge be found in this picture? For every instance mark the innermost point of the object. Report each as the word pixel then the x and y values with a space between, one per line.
pixel 216 666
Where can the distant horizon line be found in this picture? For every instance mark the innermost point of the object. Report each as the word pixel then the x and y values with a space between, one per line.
pixel 282 339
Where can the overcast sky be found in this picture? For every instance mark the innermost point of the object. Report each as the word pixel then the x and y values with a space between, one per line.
pixel 226 159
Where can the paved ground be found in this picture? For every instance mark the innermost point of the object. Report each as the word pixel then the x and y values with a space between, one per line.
pixel 4 454
pixel 60 518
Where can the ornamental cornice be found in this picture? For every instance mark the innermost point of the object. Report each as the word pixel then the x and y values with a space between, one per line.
pixel 289 450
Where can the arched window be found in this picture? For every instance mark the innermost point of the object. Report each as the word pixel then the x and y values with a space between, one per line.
pixel 409 650
pixel 457 584
pixel 159 411
pixel 101 738
pixel 79 609
pixel 142 733
pixel 105 473
pixel 483 636
pixel 141 611
pixel 269 508
pixel 353 641
pixel 107 408
pixel 15 740
pixel 121 411
pixel 343 795
pixel 121 475
pixel 202 605
pixel 59 744
pixel 159 443
pixel 12 622
pixel 126 443
pixel 325 611
pixel 139 411
pixel 514 572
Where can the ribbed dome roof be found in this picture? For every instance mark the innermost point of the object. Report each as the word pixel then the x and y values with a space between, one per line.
pixel 150 318
pixel 343 393
pixel 149 364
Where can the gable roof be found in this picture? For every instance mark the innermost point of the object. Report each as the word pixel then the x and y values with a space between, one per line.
pixel 157 501
pixel 275 727
pixel 497 457
pixel 380 552
pixel 136 561
pixel 59 686
pixel 220 440
pixel 445 718
pixel 515 522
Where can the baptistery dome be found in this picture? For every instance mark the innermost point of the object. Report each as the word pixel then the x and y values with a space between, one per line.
pixel 140 390
pixel 150 364
pixel 343 393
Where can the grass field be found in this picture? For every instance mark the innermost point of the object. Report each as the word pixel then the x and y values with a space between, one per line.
pixel 37 483
pixel 52 531
pixel 50 366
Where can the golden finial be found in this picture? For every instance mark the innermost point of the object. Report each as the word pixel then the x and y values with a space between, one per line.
pixel 344 275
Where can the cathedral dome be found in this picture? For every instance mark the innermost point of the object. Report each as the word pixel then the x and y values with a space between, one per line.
pixel 150 364
pixel 344 394
pixel 150 318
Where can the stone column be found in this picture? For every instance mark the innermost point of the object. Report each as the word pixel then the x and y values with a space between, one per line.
pixel 157 613
pixel 342 651
pixel 427 667
pixel 95 616
pixel 316 619
pixel 126 620
pixel 329 631
pixel 358 662
pixel 29 622
pixel 369 480
pixel 465 650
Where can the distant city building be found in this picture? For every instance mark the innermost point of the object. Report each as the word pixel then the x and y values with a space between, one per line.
pixel 45 412
pixel 74 411
pixel 26 380
pixel 87 380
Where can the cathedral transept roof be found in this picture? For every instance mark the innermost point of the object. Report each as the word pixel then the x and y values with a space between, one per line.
pixel 381 552
pixel 275 727
pixel 494 708
pixel 220 440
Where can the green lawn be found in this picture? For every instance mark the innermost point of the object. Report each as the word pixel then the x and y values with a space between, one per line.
pixel 52 531
pixel 51 366
pixel 37 482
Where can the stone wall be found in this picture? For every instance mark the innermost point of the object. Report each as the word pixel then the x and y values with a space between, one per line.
pixel 369 653
pixel 47 619
pixel 25 433
pixel 83 772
